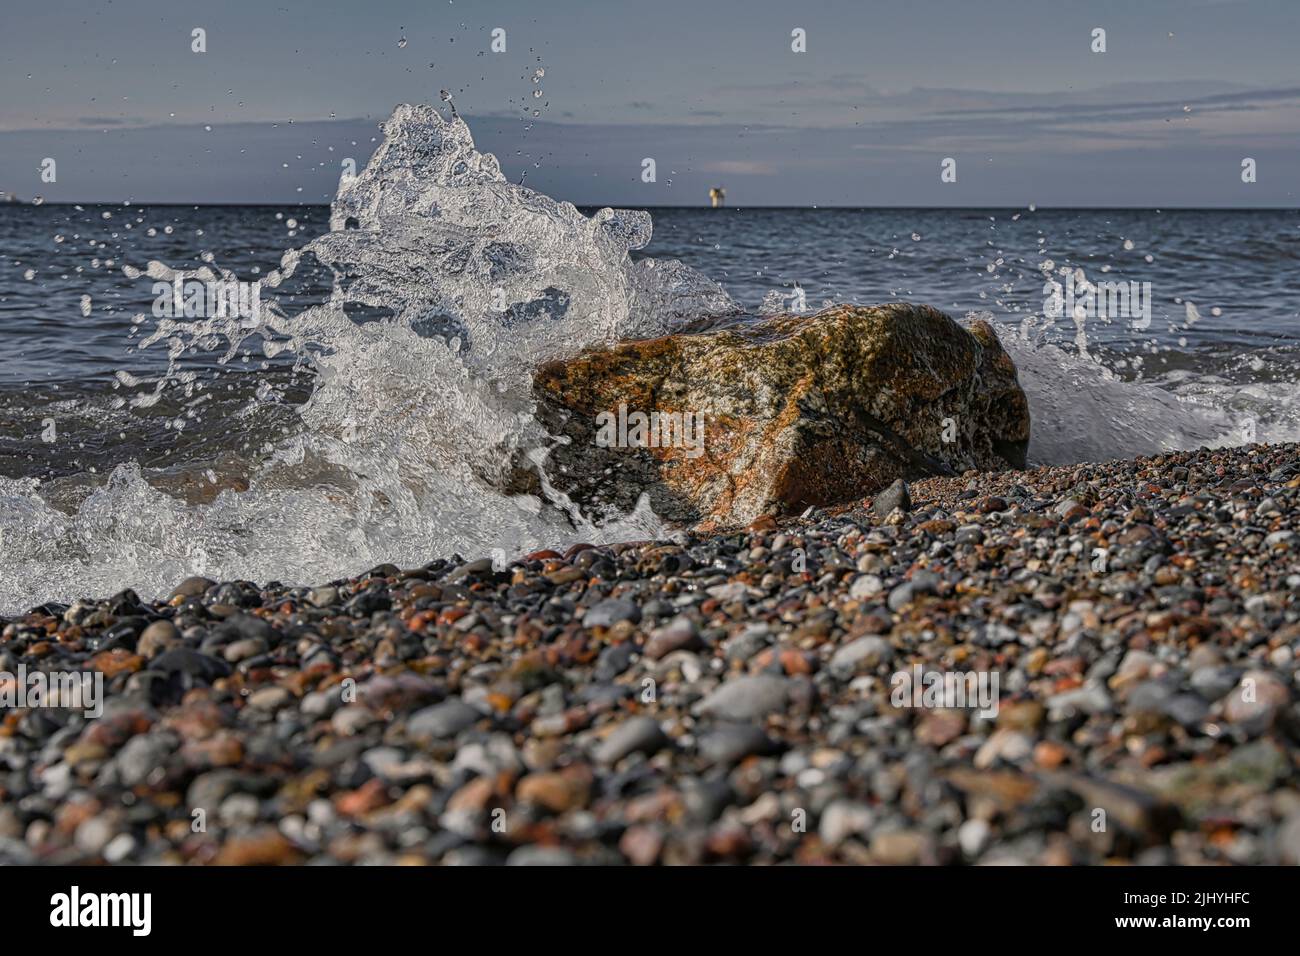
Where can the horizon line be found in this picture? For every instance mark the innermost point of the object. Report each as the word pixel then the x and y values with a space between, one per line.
pixel 720 209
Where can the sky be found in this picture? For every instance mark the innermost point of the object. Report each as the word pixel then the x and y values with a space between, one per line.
pixel 711 90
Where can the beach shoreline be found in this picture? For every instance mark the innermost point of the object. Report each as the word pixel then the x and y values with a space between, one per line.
pixel 726 699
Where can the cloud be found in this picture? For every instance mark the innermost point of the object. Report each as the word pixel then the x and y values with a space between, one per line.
pixel 739 167
pixel 1012 149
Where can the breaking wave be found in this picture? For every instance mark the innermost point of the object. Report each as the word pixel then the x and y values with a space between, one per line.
pixel 451 285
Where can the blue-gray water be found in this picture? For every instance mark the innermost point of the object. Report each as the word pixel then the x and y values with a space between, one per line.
pixel 1239 269
pixel 1243 262
pixel 1217 362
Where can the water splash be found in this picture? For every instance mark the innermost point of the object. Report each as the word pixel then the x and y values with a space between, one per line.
pixel 1081 410
pixel 451 286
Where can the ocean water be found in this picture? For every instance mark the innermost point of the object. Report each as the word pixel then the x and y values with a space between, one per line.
pixel 361 417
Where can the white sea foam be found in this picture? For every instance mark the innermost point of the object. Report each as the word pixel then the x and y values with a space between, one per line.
pixel 1081 410
pixel 414 415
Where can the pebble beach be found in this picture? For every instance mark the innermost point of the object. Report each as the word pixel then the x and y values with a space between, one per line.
pixel 717 699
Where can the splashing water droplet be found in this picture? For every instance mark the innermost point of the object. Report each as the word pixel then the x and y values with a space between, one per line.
pixel 452 286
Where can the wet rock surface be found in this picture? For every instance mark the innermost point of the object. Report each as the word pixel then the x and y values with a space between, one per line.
pixel 723 700
pixel 792 412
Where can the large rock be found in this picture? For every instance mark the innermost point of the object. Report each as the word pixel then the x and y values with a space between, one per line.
pixel 796 411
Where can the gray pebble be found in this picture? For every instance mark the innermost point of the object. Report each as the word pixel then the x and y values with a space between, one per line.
pixel 747 698
pixel 610 612
pixel 442 720
pixel 635 735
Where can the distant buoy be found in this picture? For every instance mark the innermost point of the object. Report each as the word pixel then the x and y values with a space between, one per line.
pixel 718 195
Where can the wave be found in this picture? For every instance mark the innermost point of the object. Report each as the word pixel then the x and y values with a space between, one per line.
pixel 451 285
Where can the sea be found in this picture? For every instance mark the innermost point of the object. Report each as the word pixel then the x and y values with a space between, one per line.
pixel 357 418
